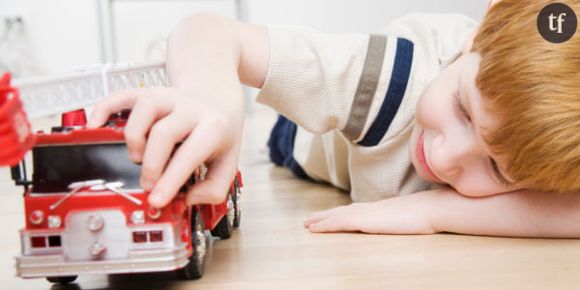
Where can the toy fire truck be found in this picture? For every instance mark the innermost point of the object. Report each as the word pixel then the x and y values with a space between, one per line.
pixel 85 210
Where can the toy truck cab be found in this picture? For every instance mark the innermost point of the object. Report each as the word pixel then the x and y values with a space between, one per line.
pixel 86 212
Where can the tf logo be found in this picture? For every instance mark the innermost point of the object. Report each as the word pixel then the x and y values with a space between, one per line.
pixel 557 22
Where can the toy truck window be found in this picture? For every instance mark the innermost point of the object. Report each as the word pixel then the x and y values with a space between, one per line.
pixel 55 167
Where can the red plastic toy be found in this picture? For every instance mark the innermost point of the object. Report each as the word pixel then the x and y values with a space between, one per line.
pixel 16 137
pixel 86 213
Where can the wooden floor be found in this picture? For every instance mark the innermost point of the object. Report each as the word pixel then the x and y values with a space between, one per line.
pixel 271 250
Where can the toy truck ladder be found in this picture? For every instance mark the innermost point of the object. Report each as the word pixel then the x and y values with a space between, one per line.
pixel 33 98
pixel 53 95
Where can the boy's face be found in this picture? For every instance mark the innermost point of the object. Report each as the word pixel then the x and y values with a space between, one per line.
pixel 447 143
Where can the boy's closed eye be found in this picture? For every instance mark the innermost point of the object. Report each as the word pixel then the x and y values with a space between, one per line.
pixel 492 164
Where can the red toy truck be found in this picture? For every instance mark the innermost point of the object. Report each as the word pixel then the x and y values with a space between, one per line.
pixel 86 212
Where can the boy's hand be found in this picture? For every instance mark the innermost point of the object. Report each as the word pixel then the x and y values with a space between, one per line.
pixel 397 215
pixel 521 213
pixel 208 128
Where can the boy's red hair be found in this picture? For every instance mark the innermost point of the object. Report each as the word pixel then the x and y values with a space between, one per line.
pixel 533 87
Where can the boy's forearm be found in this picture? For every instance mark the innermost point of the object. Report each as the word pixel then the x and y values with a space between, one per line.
pixel 517 214
pixel 207 49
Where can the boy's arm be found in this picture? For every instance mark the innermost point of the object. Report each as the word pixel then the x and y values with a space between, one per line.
pixel 208 56
pixel 208 48
pixel 516 214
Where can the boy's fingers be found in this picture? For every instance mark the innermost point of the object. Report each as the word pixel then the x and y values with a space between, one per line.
pixel 122 100
pixel 314 218
pixel 214 188
pixel 145 112
pixel 322 215
pixel 192 152
pixel 163 137
pixel 334 224
pixel 111 104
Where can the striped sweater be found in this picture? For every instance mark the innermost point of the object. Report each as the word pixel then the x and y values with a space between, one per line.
pixel 354 97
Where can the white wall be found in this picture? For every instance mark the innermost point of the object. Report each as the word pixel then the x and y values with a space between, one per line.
pixel 353 15
pixel 63 34
pixel 60 34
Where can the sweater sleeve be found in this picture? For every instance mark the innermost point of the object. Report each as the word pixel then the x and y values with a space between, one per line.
pixel 353 83
pixel 316 79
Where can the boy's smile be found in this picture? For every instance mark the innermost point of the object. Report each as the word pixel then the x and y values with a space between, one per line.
pixel 423 161
pixel 447 145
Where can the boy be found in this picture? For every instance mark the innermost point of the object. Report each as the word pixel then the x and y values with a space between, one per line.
pixel 393 114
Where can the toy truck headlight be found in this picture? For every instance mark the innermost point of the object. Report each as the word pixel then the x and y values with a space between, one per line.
pixel 138 217
pixel 36 217
pixel 154 213
pixel 54 221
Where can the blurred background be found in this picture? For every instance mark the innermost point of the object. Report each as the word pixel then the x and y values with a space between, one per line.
pixel 39 37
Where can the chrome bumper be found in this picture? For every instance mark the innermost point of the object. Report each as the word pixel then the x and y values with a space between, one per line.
pixel 138 261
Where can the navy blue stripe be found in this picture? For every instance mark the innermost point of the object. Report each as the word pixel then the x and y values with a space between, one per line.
pixel 394 95
pixel 281 144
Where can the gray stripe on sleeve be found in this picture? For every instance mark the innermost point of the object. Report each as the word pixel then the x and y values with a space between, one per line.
pixel 367 87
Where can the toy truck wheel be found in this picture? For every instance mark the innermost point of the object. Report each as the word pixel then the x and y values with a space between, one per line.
pixel 194 269
pixel 225 227
pixel 62 279
pixel 238 211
